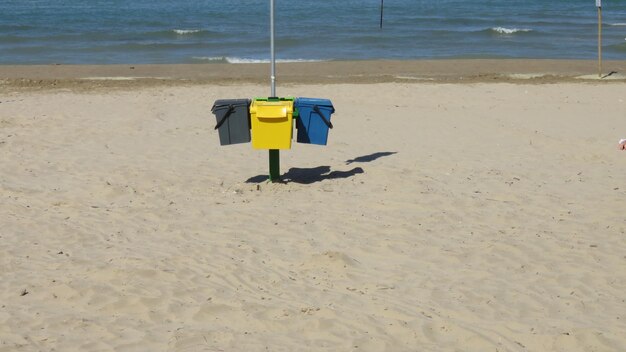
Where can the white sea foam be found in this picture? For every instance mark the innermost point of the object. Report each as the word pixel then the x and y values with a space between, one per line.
pixel 186 31
pixel 617 24
pixel 209 58
pixel 120 78
pixel 238 60
pixel 503 30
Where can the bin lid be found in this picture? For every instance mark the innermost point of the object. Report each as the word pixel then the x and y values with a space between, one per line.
pixel 271 111
pixel 227 103
pixel 314 101
pixel 274 99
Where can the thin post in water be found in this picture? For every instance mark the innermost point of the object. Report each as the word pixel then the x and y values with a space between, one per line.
pixel 382 6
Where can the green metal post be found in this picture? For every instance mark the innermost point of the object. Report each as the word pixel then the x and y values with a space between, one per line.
pixel 274 165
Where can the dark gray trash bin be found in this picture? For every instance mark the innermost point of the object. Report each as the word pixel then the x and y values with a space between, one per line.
pixel 233 120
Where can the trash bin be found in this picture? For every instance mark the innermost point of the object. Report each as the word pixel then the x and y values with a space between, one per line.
pixel 313 120
pixel 272 123
pixel 233 120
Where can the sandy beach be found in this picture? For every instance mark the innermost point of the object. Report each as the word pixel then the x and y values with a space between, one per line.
pixel 331 72
pixel 459 206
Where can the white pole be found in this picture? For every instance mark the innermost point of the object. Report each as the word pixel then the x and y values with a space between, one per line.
pixel 273 56
pixel 274 154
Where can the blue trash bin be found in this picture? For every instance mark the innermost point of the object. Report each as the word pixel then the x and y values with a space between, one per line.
pixel 313 121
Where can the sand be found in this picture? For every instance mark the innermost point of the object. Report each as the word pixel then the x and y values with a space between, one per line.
pixel 335 72
pixel 440 217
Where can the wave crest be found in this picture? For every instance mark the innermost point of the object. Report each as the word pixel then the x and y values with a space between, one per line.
pixel 239 60
pixel 186 31
pixel 508 31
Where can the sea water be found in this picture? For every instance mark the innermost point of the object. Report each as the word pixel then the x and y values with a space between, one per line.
pixel 195 31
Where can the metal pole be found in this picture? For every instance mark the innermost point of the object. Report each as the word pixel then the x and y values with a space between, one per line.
pixel 382 6
pixel 600 41
pixel 273 55
pixel 274 154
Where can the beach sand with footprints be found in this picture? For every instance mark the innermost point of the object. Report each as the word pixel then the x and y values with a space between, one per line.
pixel 468 207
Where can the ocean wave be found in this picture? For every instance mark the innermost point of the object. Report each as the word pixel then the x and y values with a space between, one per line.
pixel 238 60
pixel 508 31
pixel 617 24
pixel 11 27
pixel 186 31
pixel 620 47
pixel 13 39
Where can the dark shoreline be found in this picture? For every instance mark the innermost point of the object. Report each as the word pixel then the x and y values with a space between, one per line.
pixel 325 72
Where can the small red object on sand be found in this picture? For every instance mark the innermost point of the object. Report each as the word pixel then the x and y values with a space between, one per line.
pixel 622 144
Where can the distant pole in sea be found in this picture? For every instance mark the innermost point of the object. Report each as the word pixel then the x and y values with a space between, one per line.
pixel 599 5
pixel 382 6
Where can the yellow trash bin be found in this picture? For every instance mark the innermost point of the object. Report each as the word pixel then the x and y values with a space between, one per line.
pixel 272 123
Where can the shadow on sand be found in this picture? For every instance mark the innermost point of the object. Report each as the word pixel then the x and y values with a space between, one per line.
pixel 369 158
pixel 309 175
pixel 317 174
